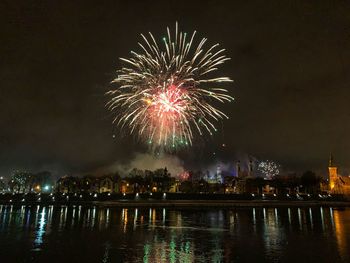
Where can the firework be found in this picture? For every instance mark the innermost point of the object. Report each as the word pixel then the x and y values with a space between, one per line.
pixel 165 93
pixel 184 176
pixel 269 169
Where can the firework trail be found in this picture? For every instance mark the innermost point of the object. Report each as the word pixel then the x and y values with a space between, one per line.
pixel 165 94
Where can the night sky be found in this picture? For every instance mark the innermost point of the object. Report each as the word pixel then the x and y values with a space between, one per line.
pixel 290 66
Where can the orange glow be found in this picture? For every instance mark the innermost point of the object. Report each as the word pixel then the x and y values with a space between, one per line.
pixel 340 232
pixel 153 216
pixel 125 219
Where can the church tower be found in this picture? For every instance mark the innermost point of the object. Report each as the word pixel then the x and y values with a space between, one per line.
pixel 332 173
pixel 238 168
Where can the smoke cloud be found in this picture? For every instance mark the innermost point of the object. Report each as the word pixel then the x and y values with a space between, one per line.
pixel 144 161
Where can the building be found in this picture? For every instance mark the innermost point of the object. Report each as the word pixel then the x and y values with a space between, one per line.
pixel 109 184
pixel 337 184
pixel 67 184
pixel 106 185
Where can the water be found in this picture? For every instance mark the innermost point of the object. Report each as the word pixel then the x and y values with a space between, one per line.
pixel 91 234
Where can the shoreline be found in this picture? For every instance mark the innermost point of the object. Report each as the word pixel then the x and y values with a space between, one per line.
pixel 191 203
pixel 222 203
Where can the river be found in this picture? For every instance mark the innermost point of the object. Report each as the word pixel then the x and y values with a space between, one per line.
pixel 92 234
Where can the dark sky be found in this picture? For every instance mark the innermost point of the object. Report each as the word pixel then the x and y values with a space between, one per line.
pixel 290 63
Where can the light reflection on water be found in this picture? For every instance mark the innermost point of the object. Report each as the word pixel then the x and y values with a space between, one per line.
pixel 91 234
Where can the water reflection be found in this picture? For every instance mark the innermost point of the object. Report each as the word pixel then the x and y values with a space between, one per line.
pixel 41 226
pixel 168 235
pixel 342 232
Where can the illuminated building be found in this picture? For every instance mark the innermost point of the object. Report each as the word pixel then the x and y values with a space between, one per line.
pixel 337 184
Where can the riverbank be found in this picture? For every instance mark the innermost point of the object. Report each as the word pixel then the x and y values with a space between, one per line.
pixel 221 203
pixel 189 203
pixel 174 200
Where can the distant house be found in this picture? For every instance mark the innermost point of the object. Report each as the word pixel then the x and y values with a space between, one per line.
pixel 89 184
pixel 110 183
pixel 174 186
pixel 337 184
pixel 125 187
pixel 86 184
pixel 67 184
pixel 106 185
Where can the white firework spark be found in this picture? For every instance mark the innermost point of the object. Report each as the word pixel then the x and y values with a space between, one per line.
pixel 164 94
pixel 269 169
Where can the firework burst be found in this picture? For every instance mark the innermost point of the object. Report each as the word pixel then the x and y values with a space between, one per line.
pixel 165 94
pixel 269 169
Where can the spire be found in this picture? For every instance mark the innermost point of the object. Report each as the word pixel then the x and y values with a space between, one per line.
pixel 330 163
pixel 250 168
